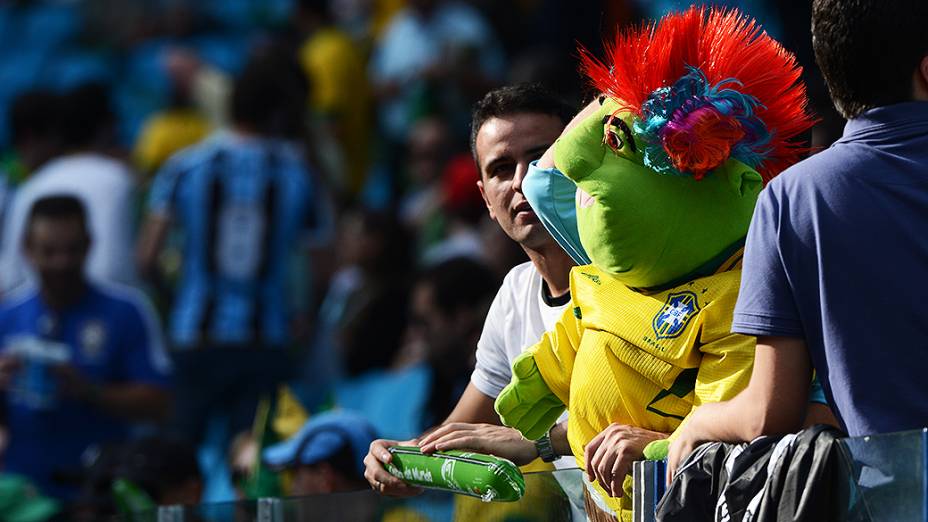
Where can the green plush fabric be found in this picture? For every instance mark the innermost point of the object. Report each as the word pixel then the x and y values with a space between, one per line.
pixel 527 404
pixel 649 229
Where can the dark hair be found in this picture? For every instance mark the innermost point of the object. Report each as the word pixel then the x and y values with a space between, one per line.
pixel 58 207
pixel 86 115
pixel 868 50
pixel 34 114
pixel 460 283
pixel 532 98
pixel 270 95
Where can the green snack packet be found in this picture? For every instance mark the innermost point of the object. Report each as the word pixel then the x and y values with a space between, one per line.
pixel 486 477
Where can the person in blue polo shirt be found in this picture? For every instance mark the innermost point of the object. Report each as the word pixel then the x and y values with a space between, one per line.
pixel 78 361
pixel 836 255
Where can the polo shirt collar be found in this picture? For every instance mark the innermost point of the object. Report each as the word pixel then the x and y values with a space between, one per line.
pixel 889 119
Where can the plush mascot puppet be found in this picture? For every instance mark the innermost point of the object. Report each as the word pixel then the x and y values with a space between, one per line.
pixel 698 112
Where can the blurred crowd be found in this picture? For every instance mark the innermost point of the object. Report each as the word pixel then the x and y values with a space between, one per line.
pixel 276 209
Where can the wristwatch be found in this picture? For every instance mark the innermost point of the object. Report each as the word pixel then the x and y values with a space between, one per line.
pixel 545 449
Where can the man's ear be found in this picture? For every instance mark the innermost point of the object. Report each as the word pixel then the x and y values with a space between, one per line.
pixel 486 201
pixel 920 81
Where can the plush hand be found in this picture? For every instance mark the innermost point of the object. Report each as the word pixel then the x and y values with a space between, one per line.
pixel 527 404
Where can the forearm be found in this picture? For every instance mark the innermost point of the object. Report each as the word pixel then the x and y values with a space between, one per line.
pixel 474 407
pixel 741 419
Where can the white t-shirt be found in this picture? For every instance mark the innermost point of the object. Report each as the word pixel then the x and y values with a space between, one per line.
pixel 106 188
pixel 517 319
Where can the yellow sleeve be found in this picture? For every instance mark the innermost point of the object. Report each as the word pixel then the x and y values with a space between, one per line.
pixel 556 351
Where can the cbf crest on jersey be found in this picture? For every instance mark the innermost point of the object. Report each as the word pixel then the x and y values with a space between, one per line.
pixel 675 315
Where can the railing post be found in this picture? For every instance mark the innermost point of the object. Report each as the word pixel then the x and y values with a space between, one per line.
pixel 270 510
pixel 647 489
pixel 170 513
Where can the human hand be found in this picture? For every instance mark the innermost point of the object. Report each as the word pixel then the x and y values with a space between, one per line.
pixel 9 367
pixel 526 403
pixel 609 456
pixel 378 477
pixel 483 438
pixel 687 438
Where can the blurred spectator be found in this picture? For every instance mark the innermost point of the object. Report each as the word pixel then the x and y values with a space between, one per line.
pixel 179 125
pixel 463 209
pixel 246 201
pixel 428 149
pixel 433 52
pixel 367 304
pixel 326 455
pixel 340 92
pixel 449 304
pixel 78 360
pixel 85 170
pixel 151 470
pixel 165 469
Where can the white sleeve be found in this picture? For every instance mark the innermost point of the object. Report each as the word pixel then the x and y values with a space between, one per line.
pixel 493 370
pixel 111 224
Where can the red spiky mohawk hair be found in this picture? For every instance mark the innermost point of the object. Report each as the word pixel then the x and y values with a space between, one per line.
pixel 724 45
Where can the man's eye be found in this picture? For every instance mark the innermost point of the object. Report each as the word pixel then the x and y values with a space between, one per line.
pixel 502 171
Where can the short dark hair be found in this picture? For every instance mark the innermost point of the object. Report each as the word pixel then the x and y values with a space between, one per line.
pixel 868 50
pixel 57 207
pixel 270 95
pixel 532 98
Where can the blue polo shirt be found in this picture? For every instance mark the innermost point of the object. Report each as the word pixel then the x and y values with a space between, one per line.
pixel 111 336
pixel 837 254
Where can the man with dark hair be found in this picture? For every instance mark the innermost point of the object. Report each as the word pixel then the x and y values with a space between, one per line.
pixel 104 184
pixel 512 126
pixel 822 230
pixel 77 360
pixel 246 201
pixel 528 98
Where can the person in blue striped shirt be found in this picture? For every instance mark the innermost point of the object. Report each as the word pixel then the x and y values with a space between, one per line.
pixel 245 201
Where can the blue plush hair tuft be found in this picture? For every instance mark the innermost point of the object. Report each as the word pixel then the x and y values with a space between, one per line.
pixel 692 92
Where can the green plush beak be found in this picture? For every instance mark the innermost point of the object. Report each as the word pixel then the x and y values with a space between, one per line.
pixel 647 229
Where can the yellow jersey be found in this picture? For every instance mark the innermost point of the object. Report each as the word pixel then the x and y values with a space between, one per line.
pixel 618 355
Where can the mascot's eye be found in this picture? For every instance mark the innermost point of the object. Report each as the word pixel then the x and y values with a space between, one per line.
pixel 616 133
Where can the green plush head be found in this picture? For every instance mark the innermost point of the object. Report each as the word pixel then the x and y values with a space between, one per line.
pixel 645 228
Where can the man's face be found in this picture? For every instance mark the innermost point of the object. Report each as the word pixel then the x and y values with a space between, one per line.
pixel 505 146
pixel 57 248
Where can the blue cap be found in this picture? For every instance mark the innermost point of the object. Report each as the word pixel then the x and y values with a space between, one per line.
pixel 320 438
